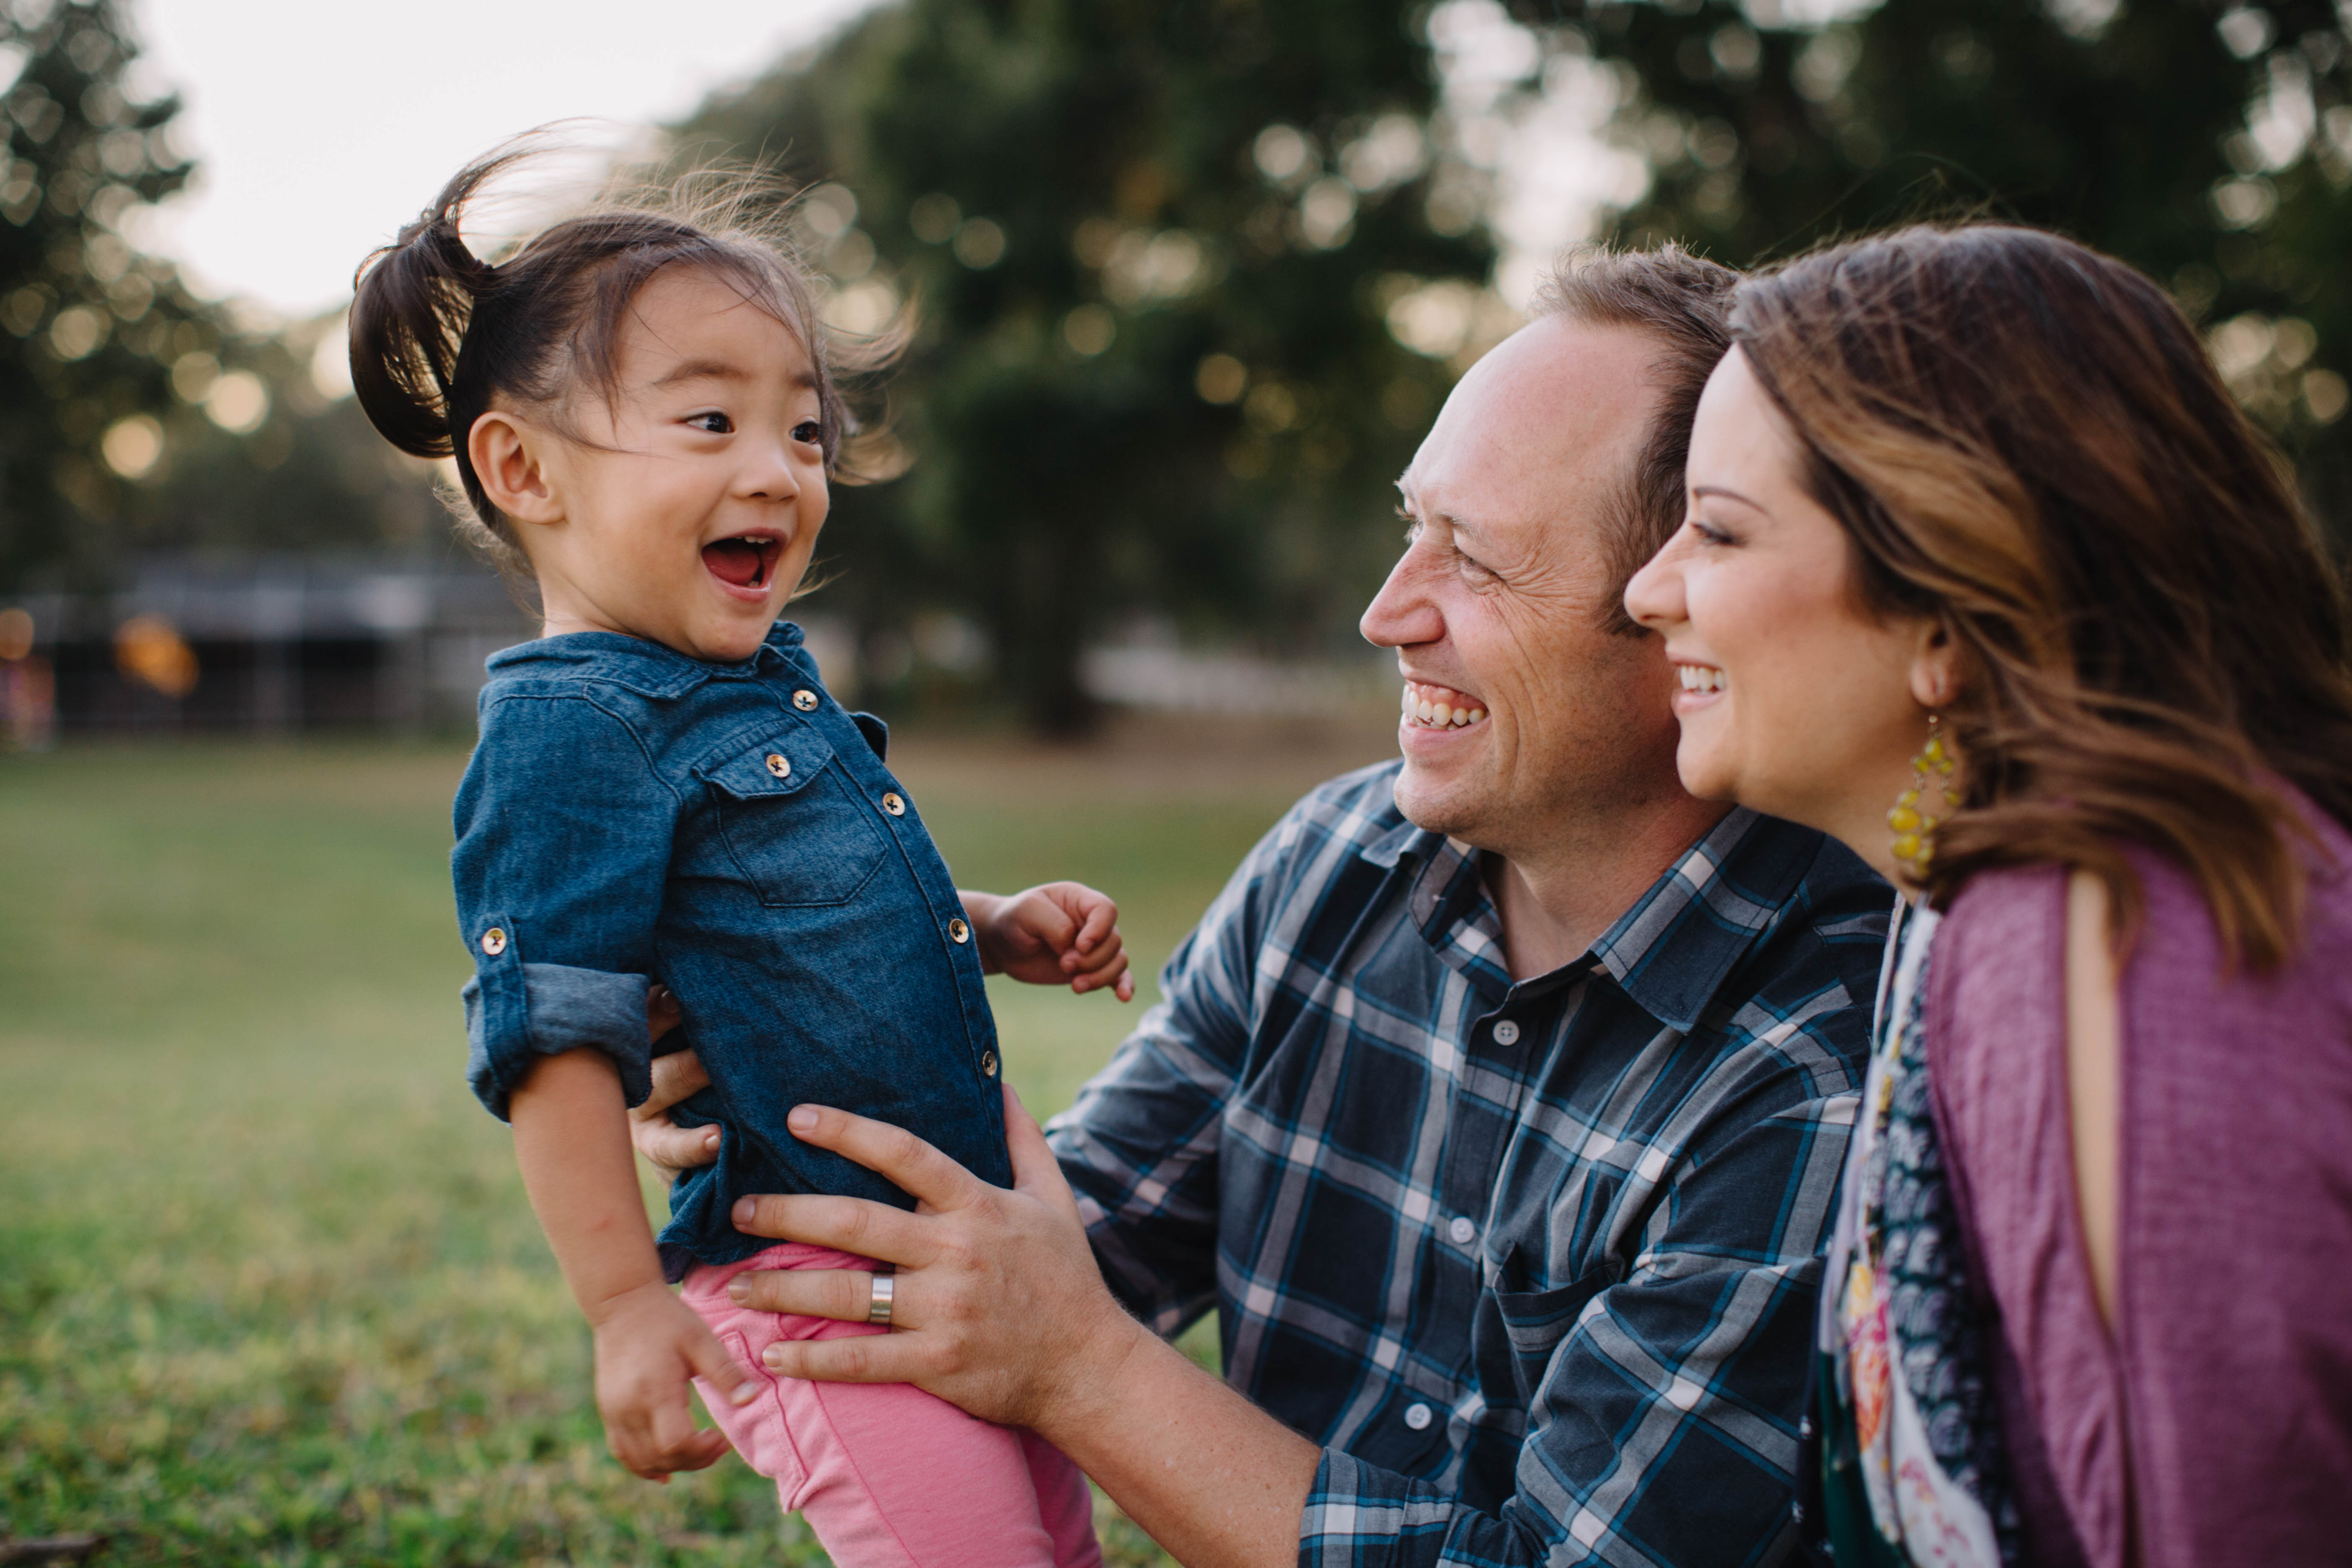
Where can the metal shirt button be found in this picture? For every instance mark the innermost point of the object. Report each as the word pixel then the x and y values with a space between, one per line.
pixel 780 765
pixel 804 701
pixel 1507 1032
pixel 988 1064
pixel 1463 1231
pixel 1418 1417
pixel 896 804
pixel 493 941
pixel 957 931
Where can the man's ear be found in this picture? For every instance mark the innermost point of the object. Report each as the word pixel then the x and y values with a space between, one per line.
pixel 509 456
pixel 1935 666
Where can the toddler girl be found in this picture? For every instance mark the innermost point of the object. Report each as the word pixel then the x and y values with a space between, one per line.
pixel 644 414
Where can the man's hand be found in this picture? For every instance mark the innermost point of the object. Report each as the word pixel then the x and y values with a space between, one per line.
pixel 649 1345
pixel 668 1148
pixel 1056 933
pixel 999 1307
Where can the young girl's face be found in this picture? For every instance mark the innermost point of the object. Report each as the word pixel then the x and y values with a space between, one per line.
pixel 688 512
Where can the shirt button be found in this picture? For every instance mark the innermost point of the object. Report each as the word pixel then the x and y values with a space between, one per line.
pixel 1418 1417
pixel 957 931
pixel 988 1064
pixel 1507 1032
pixel 780 765
pixel 804 701
pixel 493 941
pixel 896 804
pixel 1463 1231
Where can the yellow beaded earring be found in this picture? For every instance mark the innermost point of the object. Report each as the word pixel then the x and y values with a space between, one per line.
pixel 1915 829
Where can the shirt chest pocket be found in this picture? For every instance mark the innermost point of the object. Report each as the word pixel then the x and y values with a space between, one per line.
pixel 790 820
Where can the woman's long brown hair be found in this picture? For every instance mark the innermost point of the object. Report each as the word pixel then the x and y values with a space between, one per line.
pixel 2025 440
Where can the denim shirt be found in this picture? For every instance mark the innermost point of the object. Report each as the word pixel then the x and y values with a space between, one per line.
pixel 631 815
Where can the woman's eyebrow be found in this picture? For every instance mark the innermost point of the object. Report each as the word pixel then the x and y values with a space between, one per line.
pixel 1723 490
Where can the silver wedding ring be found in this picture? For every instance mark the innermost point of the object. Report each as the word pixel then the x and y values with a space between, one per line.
pixel 878 1309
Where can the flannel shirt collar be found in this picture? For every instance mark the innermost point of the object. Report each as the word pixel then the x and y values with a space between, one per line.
pixel 1669 952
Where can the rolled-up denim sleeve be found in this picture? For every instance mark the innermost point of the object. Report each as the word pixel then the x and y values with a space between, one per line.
pixel 1663 1427
pixel 563 830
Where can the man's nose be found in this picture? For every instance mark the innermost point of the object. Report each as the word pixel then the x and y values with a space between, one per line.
pixel 1401 613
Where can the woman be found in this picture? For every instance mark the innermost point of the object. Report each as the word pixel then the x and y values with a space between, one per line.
pixel 1986 576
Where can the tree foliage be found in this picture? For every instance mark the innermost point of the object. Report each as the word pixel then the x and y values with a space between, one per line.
pixel 2210 145
pixel 1149 248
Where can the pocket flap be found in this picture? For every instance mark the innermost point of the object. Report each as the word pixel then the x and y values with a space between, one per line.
pixel 759 767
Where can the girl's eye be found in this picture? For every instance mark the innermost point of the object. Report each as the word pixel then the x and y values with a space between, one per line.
pixel 809 432
pixel 714 423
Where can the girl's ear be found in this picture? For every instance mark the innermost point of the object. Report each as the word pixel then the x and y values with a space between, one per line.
pixel 509 458
pixel 1936 666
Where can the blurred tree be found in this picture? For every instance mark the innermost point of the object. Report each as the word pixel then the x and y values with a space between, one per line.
pixel 2209 144
pixel 91 326
pixel 1152 249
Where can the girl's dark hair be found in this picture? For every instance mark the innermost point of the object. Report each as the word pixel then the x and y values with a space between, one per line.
pixel 2026 440
pixel 438 335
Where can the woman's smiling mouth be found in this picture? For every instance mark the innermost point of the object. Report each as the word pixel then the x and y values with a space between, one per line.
pixel 748 560
pixel 1700 685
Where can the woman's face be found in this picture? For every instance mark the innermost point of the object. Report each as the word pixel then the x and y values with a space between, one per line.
pixel 1794 699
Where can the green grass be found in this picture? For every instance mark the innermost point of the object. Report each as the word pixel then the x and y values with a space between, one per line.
pixel 269 1291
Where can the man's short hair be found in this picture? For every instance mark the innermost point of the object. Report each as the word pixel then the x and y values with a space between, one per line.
pixel 1684 301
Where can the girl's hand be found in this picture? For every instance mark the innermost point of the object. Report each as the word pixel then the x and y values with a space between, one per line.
pixel 649 1346
pixel 1057 933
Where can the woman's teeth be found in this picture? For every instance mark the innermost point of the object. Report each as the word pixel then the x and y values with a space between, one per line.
pixel 1699 676
pixel 1440 707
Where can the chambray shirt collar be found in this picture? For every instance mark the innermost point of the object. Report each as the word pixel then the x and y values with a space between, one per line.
pixel 635 662
pixel 1669 953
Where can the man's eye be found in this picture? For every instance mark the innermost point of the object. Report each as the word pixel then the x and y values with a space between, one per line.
pixel 809 432
pixel 714 422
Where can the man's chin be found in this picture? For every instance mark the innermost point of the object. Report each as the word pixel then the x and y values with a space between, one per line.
pixel 1437 805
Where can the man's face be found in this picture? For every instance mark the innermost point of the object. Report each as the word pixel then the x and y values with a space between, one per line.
pixel 1499 603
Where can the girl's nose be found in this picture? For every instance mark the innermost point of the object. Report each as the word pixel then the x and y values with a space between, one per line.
pixel 769 477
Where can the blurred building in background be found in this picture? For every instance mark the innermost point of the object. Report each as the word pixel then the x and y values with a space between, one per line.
pixel 273 643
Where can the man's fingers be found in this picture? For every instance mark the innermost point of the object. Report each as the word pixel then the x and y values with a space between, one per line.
pixel 917 1167
pixel 675 1076
pixel 845 1294
pixel 846 1224
pixel 676 1148
pixel 1036 1171
pixel 860 1358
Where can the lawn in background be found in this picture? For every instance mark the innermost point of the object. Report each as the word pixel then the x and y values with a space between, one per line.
pixel 269 1291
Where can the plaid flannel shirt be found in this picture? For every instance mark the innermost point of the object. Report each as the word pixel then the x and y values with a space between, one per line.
pixel 1535 1263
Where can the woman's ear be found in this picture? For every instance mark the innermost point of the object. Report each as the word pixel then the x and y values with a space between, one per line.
pixel 509 458
pixel 1936 666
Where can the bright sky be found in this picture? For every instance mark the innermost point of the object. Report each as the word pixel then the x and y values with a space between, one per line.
pixel 321 126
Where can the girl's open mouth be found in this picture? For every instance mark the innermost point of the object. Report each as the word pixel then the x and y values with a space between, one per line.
pixel 747 561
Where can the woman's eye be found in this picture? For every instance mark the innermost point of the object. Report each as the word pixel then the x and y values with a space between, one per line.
pixel 714 423
pixel 809 432
pixel 1709 532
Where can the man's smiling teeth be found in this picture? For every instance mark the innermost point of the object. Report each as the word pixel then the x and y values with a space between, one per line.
pixel 1440 707
pixel 1699 676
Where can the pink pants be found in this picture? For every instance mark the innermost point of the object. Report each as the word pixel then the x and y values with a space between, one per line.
pixel 886 1475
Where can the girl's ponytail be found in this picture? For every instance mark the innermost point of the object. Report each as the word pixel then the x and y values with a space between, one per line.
pixel 411 304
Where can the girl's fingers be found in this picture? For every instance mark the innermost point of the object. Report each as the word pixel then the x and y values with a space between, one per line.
pixel 1102 918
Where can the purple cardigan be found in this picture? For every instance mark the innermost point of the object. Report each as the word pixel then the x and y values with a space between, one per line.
pixel 2229 1377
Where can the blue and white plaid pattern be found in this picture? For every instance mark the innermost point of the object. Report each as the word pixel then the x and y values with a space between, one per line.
pixel 1535 1263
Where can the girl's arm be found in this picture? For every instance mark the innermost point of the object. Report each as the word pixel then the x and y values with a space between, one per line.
pixel 573 1143
pixel 1057 933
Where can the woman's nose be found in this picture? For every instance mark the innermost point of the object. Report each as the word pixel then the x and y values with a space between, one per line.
pixel 1653 598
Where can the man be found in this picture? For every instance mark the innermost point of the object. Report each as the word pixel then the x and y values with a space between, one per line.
pixel 1498 1103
